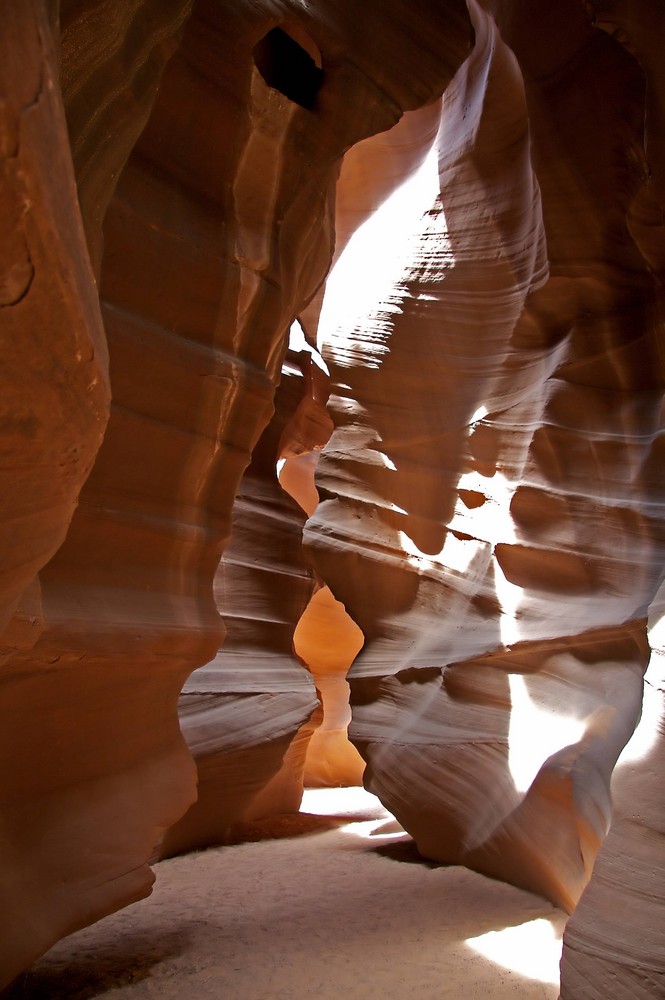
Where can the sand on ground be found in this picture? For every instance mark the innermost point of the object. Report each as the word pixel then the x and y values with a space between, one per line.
pixel 338 905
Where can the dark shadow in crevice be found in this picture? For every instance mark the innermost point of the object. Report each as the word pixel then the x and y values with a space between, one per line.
pixel 287 67
pixel 99 971
pixel 406 852
pixel 291 825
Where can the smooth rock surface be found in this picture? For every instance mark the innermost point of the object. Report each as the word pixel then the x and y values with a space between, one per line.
pixel 246 714
pixel 206 195
pixel 489 180
pixel 491 516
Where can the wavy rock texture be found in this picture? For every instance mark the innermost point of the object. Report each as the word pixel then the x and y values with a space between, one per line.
pixel 493 519
pixel 66 778
pixel 54 403
pixel 245 714
pixel 325 637
pixel 217 231
pixel 492 494
pixel 614 941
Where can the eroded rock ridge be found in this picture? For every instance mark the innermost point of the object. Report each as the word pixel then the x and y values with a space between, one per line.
pixel 468 486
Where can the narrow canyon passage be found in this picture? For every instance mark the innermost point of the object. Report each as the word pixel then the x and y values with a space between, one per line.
pixel 341 910
pixel 332 439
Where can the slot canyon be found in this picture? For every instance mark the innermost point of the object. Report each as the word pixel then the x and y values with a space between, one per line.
pixel 332 444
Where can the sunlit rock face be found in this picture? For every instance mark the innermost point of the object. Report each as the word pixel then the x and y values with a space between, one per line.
pixel 270 712
pixel 205 169
pixel 328 640
pixel 614 943
pixel 491 510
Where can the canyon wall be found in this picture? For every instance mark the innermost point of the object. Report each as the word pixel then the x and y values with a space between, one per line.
pixel 488 181
pixel 246 714
pixel 203 224
pixel 492 493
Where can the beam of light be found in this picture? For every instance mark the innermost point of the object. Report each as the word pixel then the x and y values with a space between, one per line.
pixel 487 524
pixel 374 829
pixel 456 554
pixel 492 521
pixel 535 734
pixel 298 342
pixel 459 553
pixel 510 598
pixel 343 802
pixel 533 949
pixel 646 733
pixel 374 822
pixel 379 255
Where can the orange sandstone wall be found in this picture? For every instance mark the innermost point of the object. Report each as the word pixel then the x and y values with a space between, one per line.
pixel 492 512
pixel 491 496
pixel 204 210
pixel 246 714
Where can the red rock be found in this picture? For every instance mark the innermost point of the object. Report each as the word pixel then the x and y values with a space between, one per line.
pixel 217 233
pixel 246 714
pixel 487 395
pixel 175 178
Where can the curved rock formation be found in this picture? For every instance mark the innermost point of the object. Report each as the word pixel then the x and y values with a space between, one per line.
pixel 614 942
pixel 325 638
pixel 217 233
pixel 491 507
pixel 496 434
pixel 244 714
pixel 328 641
pixel 67 778
pixel 55 363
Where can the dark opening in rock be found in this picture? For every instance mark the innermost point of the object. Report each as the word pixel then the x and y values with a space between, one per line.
pixel 288 67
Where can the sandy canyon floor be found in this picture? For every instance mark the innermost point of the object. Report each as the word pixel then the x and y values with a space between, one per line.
pixel 332 903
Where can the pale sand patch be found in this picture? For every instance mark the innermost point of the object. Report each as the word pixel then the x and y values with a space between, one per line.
pixel 347 912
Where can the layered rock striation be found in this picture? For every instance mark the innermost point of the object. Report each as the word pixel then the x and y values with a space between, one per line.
pixel 205 189
pixel 487 178
pixel 492 514
pixel 246 714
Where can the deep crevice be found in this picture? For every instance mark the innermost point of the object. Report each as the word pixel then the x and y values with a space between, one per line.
pixel 287 67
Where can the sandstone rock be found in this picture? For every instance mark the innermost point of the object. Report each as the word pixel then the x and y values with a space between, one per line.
pixel 55 365
pixel 217 233
pixel 491 496
pixel 241 713
pixel 496 399
pixel 613 942
pixel 325 638
pixel 328 641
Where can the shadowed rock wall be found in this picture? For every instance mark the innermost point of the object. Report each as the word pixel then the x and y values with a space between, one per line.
pixel 242 712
